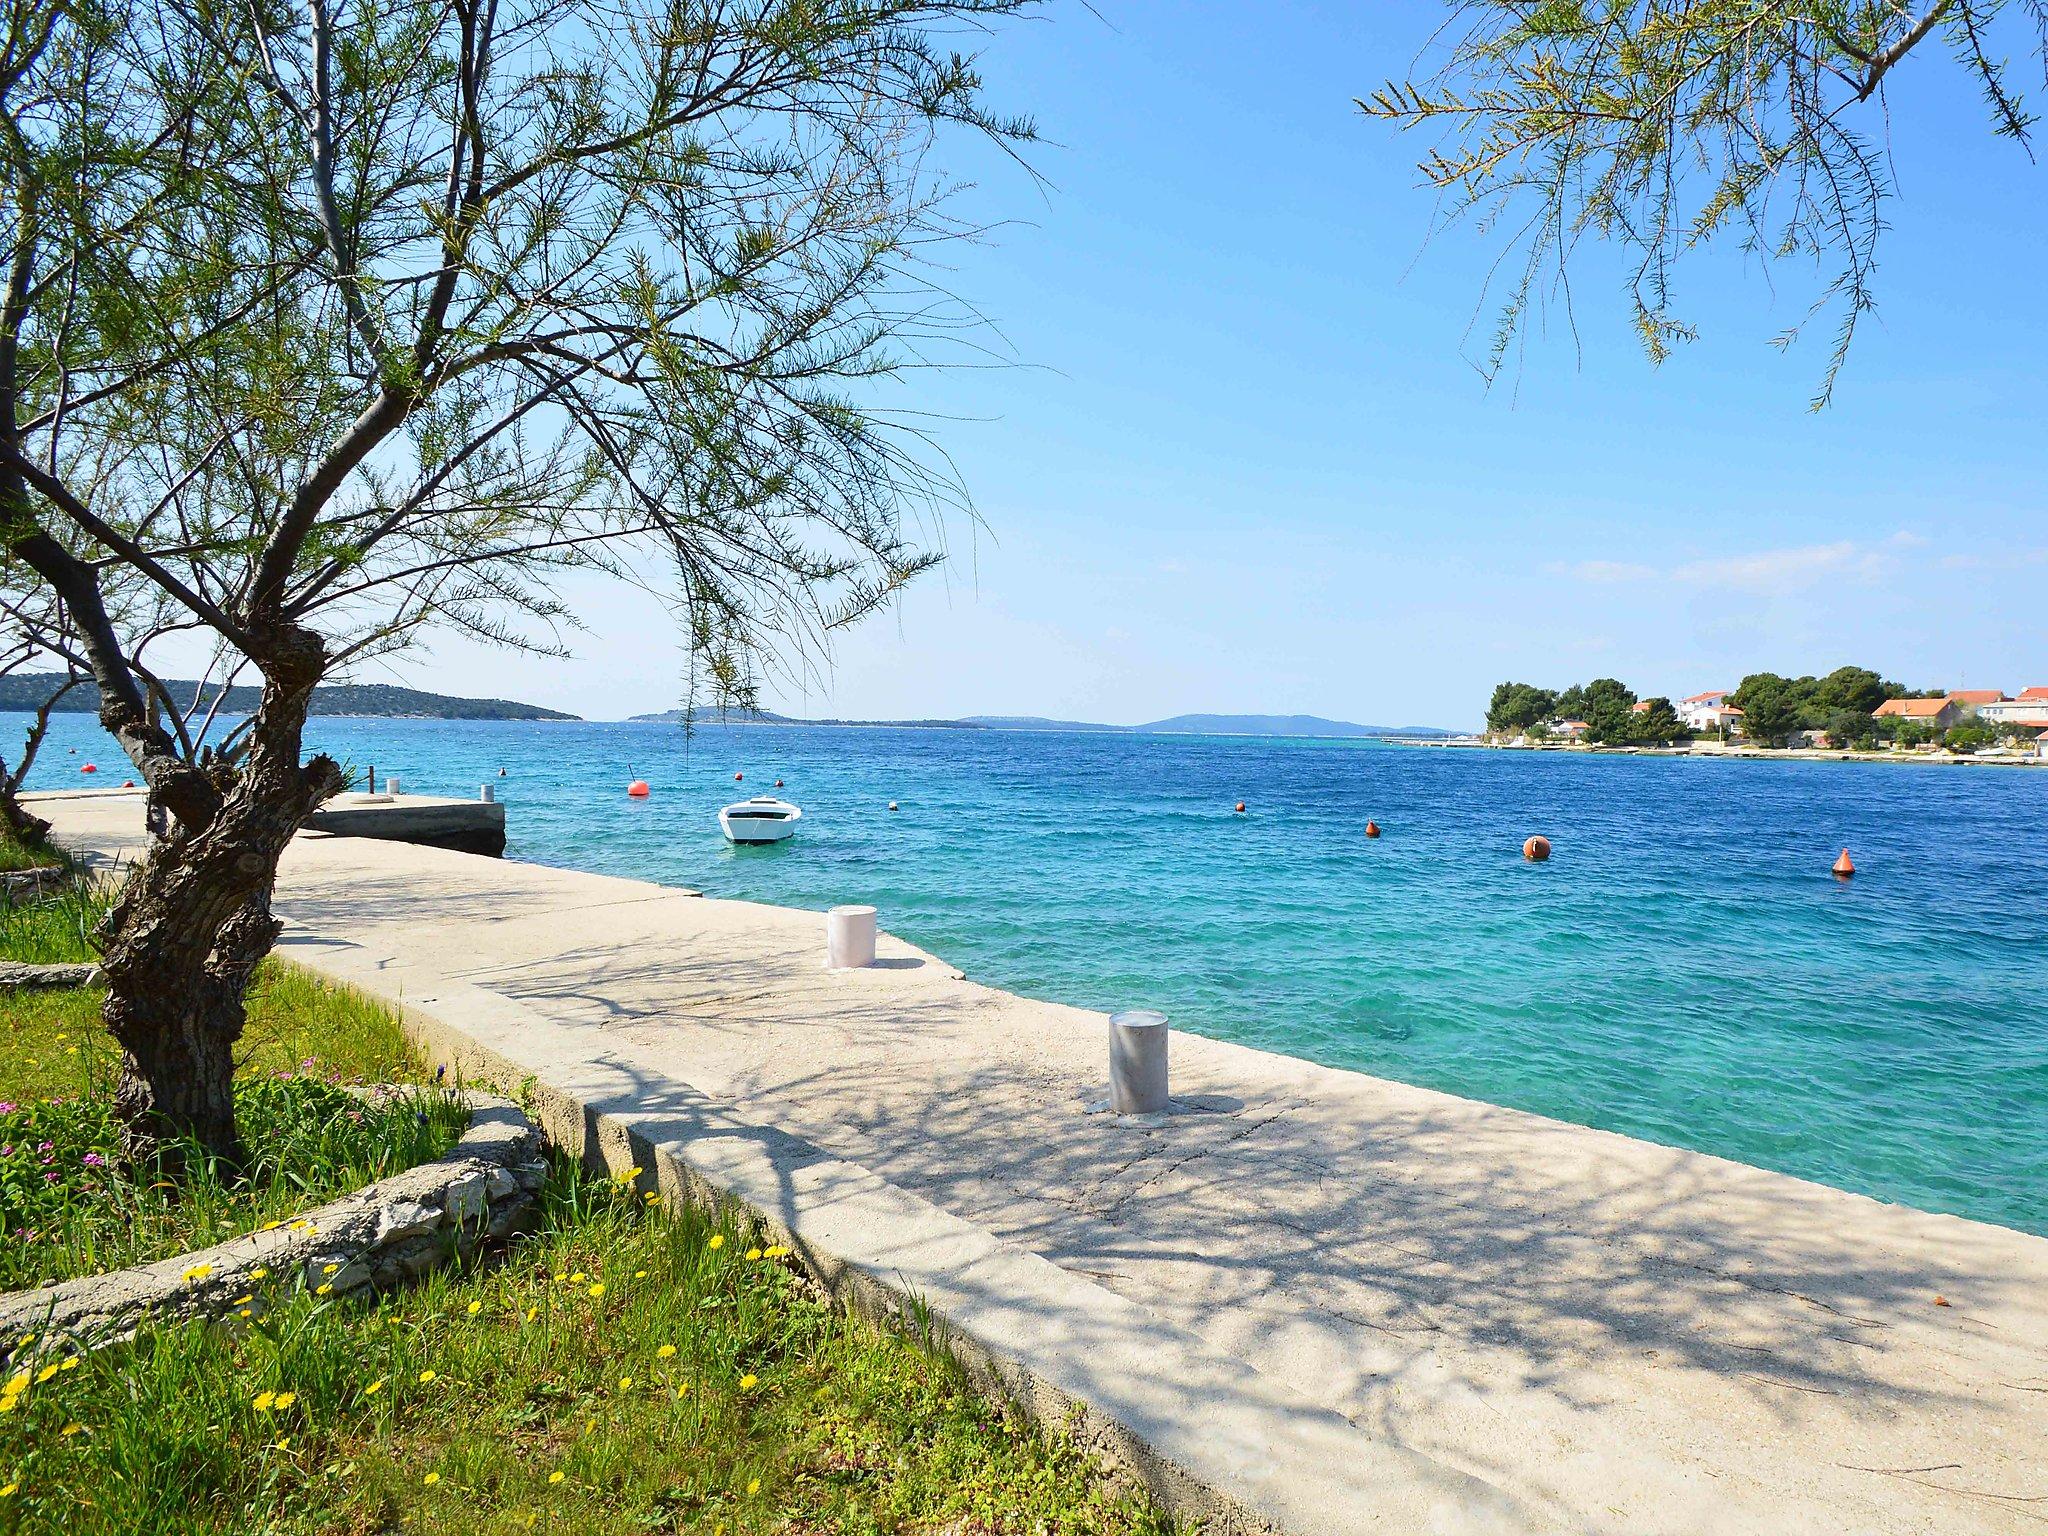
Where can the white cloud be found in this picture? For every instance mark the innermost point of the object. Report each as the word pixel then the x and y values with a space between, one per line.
pixel 1766 571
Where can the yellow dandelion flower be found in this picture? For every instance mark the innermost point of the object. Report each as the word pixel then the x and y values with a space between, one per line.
pixel 753 1487
pixel 627 1177
pixel 597 1289
pixel 324 1288
pixel 198 1272
pixel 532 1313
pixel 45 1374
pixel 259 1273
pixel 664 1352
pixel 753 1253
pixel 282 1445
pixel 717 1241
pixel 7 1404
pixel 70 1363
pixel 18 1382
pixel 28 1338
pixel 374 1387
pixel 71 1428
pixel 10 1490
pixel 431 1478
pixel 682 1389
pixel 329 1269
pixel 749 1381
pixel 561 1275
pixel 639 1274
pixel 625 1382
pixel 263 1401
pixel 243 1301
pixel 554 1477
pixel 475 1307
pixel 651 1196
pixel 578 1278
pixel 246 1312
pixel 272 1226
pixel 285 1400
pixel 426 1375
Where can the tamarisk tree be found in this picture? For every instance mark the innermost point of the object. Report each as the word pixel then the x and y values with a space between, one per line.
pixel 330 321
pixel 1665 125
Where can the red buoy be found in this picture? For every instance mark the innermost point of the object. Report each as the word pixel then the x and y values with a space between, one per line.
pixel 1372 829
pixel 1240 807
pixel 1844 866
pixel 737 777
pixel 127 783
pixel 1536 850
pixel 778 783
pixel 90 768
pixel 637 789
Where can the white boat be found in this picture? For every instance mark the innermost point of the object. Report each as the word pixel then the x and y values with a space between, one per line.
pixel 763 819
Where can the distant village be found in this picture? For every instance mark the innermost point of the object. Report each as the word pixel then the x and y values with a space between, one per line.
pixel 1850 709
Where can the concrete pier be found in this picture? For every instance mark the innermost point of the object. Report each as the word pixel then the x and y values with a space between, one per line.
pixel 429 821
pixel 1333 1302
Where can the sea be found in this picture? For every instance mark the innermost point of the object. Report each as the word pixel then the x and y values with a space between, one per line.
pixel 1683 969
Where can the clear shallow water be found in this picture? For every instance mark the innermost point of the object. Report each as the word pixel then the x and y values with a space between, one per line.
pixel 1683 969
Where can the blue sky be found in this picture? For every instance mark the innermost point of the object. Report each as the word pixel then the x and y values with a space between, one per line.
pixel 1245 461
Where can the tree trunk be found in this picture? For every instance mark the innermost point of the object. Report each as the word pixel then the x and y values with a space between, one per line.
pixel 27 828
pixel 194 920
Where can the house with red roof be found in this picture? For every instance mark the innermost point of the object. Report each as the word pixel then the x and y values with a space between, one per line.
pixel 1711 712
pixel 1939 713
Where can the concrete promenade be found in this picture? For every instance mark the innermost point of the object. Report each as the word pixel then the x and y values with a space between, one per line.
pixel 1347 1303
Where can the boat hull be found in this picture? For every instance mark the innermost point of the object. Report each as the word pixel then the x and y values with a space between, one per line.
pixel 766 820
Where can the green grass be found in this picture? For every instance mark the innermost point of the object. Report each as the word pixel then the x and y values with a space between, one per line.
pixel 625 1369
pixel 15 854
pixel 309 1141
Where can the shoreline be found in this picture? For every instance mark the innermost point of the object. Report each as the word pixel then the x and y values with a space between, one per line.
pixel 1742 754
pixel 1612 1334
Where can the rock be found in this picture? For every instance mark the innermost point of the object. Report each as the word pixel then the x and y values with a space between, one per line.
pixel 12 975
pixel 465 1199
pixel 405 1218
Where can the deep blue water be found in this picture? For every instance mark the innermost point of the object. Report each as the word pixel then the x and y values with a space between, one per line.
pixel 1684 968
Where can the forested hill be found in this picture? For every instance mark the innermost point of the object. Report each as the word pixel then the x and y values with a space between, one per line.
pixel 27 691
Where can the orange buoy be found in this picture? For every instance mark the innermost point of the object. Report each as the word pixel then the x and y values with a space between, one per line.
pixel 637 789
pixel 1536 850
pixel 1372 829
pixel 1240 807
pixel 90 768
pixel 1844 866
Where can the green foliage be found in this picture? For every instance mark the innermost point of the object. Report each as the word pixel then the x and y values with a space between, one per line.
pixel 57 929
pixel 1656 725
pixel 1770 706
pixel 622 1369
pixel 15 854
pixel 1605 705
pixel 1665 126
pixel 1968 737
pixel 1517 706
pixel 69 1207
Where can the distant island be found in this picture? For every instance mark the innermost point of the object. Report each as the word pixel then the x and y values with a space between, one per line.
pixel 1177 725
pixel 27 691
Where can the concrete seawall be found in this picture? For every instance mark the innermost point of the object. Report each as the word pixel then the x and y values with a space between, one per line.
pixel 1311 1300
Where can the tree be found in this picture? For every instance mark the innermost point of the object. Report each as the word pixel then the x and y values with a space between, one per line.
pixel 329 326
pixel 1853 688
pixel 22 824
pixel 1607 706
pixel 1655 725
pixel 1665 126
pixel 1517 706
pixel 1770 707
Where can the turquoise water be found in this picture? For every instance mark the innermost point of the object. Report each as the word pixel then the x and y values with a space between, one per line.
pixel 1683 969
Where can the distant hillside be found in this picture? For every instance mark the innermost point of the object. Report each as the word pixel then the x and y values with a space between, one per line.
pixel 1188 725
pixel 769 717
pixel 1280 725
pixel 26 691
pixel 1035 723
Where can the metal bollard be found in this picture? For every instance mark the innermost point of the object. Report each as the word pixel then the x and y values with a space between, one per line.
pixel 486 794
pixel 849 938
pixel 1137 1062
